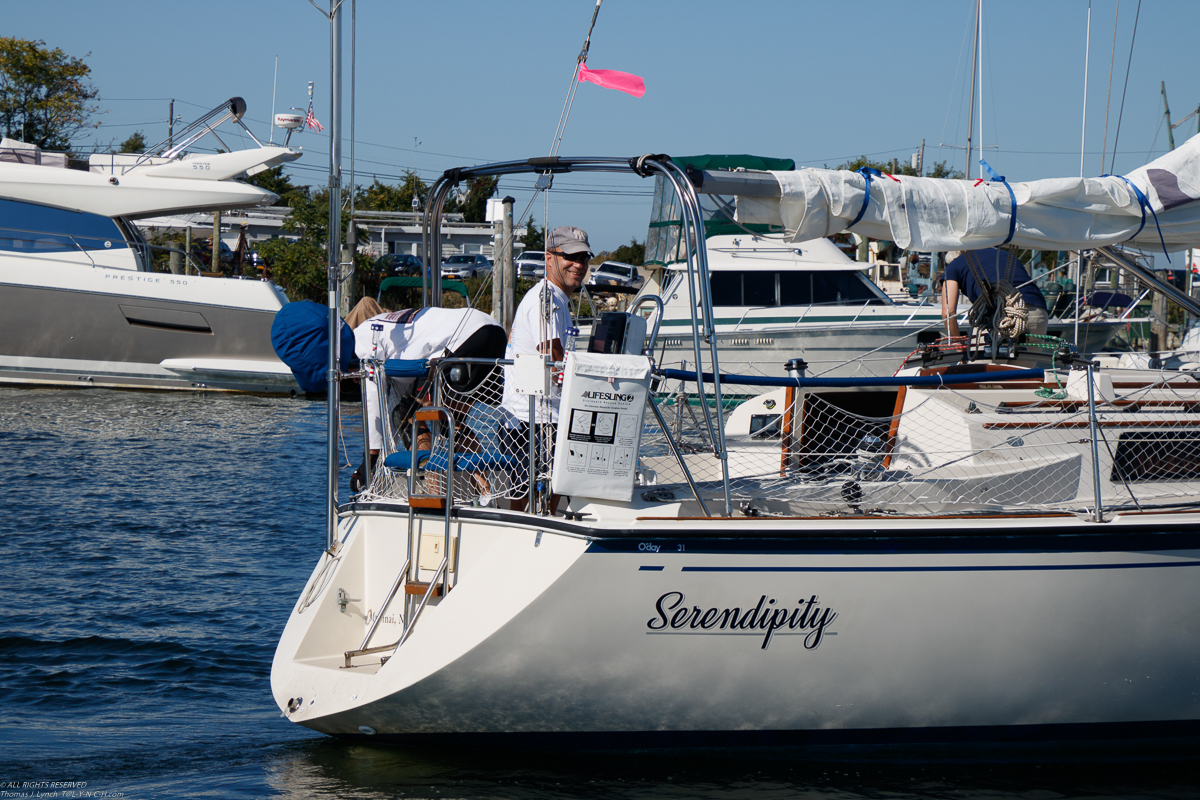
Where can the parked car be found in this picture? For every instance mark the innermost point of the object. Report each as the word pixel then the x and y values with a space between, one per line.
pixel 614 273
pixel 399 264
pixel 531 264
pixel 466 266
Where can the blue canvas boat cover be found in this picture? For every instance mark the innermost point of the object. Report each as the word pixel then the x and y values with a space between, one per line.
pixel 300 336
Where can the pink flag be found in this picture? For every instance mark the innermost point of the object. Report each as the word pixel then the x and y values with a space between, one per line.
pixel 611 79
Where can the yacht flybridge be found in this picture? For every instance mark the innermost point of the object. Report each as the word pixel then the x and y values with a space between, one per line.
pixel 1000 544
pixel 80 301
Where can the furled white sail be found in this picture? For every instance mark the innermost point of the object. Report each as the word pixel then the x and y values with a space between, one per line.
pixel 937 214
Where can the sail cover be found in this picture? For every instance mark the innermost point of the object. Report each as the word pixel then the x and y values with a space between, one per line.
pixel 936 214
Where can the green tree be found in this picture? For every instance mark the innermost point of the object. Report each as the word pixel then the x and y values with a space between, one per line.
pixel 134 144
pixel 274 180
pixel 940 169
pixel 310 215
pixel 45 98
pixel 478 192
pixel 387 197
pixel 298 267
pixel 882 166
pixel 632 253
pixel 534 237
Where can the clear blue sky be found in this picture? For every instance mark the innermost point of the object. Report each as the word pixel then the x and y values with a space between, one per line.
pixel 820 82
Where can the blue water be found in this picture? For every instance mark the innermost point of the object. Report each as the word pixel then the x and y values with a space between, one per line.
pixel 154 545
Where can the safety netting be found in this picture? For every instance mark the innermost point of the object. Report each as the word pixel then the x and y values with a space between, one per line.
pixel 491 444
pixel 1000 446
pixel 1016 443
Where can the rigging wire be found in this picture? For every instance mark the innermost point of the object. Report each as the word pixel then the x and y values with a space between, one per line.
pixel 544 182
pixel 541 186
pixel 1108 99
pixel 570 100
pixel 961 48
pixel 1157 131
pixel 1120 113
pixel 995 145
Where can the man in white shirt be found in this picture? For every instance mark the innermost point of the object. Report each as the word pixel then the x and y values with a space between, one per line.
pixel 424 333
pixel 533 331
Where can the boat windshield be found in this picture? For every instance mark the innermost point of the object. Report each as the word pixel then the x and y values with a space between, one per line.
pixel 766 289
pixel 28 227
pixel 664 239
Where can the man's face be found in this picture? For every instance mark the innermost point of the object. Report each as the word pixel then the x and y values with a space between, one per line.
pixel 566 271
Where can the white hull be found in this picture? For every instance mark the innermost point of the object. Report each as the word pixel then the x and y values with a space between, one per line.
pixel 548 633
pixel 836 350
pixel 829 349
pixel 70 325
pixel 80 303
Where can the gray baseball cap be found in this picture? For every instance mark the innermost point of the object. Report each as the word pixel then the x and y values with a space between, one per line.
pixel 568 239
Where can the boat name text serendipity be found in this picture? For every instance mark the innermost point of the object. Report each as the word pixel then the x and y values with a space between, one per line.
pixel 807 619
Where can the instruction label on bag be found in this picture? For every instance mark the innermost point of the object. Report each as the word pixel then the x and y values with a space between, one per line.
pixel 600 425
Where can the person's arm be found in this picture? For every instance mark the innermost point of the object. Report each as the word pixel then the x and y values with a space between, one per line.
pixel 950 307
pixel 554 347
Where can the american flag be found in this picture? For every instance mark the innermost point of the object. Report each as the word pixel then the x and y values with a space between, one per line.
pixel 311 121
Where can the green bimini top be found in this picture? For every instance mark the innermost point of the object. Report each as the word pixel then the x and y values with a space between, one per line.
pixel 413 282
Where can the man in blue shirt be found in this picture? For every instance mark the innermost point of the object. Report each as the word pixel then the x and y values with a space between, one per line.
pixel 992 265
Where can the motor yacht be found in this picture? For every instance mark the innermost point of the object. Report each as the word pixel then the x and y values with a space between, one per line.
pixel 778 299
pixel 81 300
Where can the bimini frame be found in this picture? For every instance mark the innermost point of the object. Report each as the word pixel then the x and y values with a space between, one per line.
pixel 693 226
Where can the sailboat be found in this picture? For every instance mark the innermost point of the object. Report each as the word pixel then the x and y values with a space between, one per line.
pixel 997 546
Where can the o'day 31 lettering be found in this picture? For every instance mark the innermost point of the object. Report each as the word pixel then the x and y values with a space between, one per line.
pixel 807 618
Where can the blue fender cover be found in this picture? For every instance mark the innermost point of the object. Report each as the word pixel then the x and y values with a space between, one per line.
pixel 300 336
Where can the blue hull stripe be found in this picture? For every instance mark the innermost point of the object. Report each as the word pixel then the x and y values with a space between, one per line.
pixel 970 568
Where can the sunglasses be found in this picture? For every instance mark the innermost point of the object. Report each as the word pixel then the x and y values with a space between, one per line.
pixel 580 258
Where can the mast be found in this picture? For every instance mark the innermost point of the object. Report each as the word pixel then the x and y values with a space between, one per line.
pixel 1167 109
pixel 979 58
pixel 1087 51
pixel 333 249
pixel 971 104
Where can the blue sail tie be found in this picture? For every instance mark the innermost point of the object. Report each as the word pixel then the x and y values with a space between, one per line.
pixel 1012 220
pixel 1144 203
pixel 868 173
